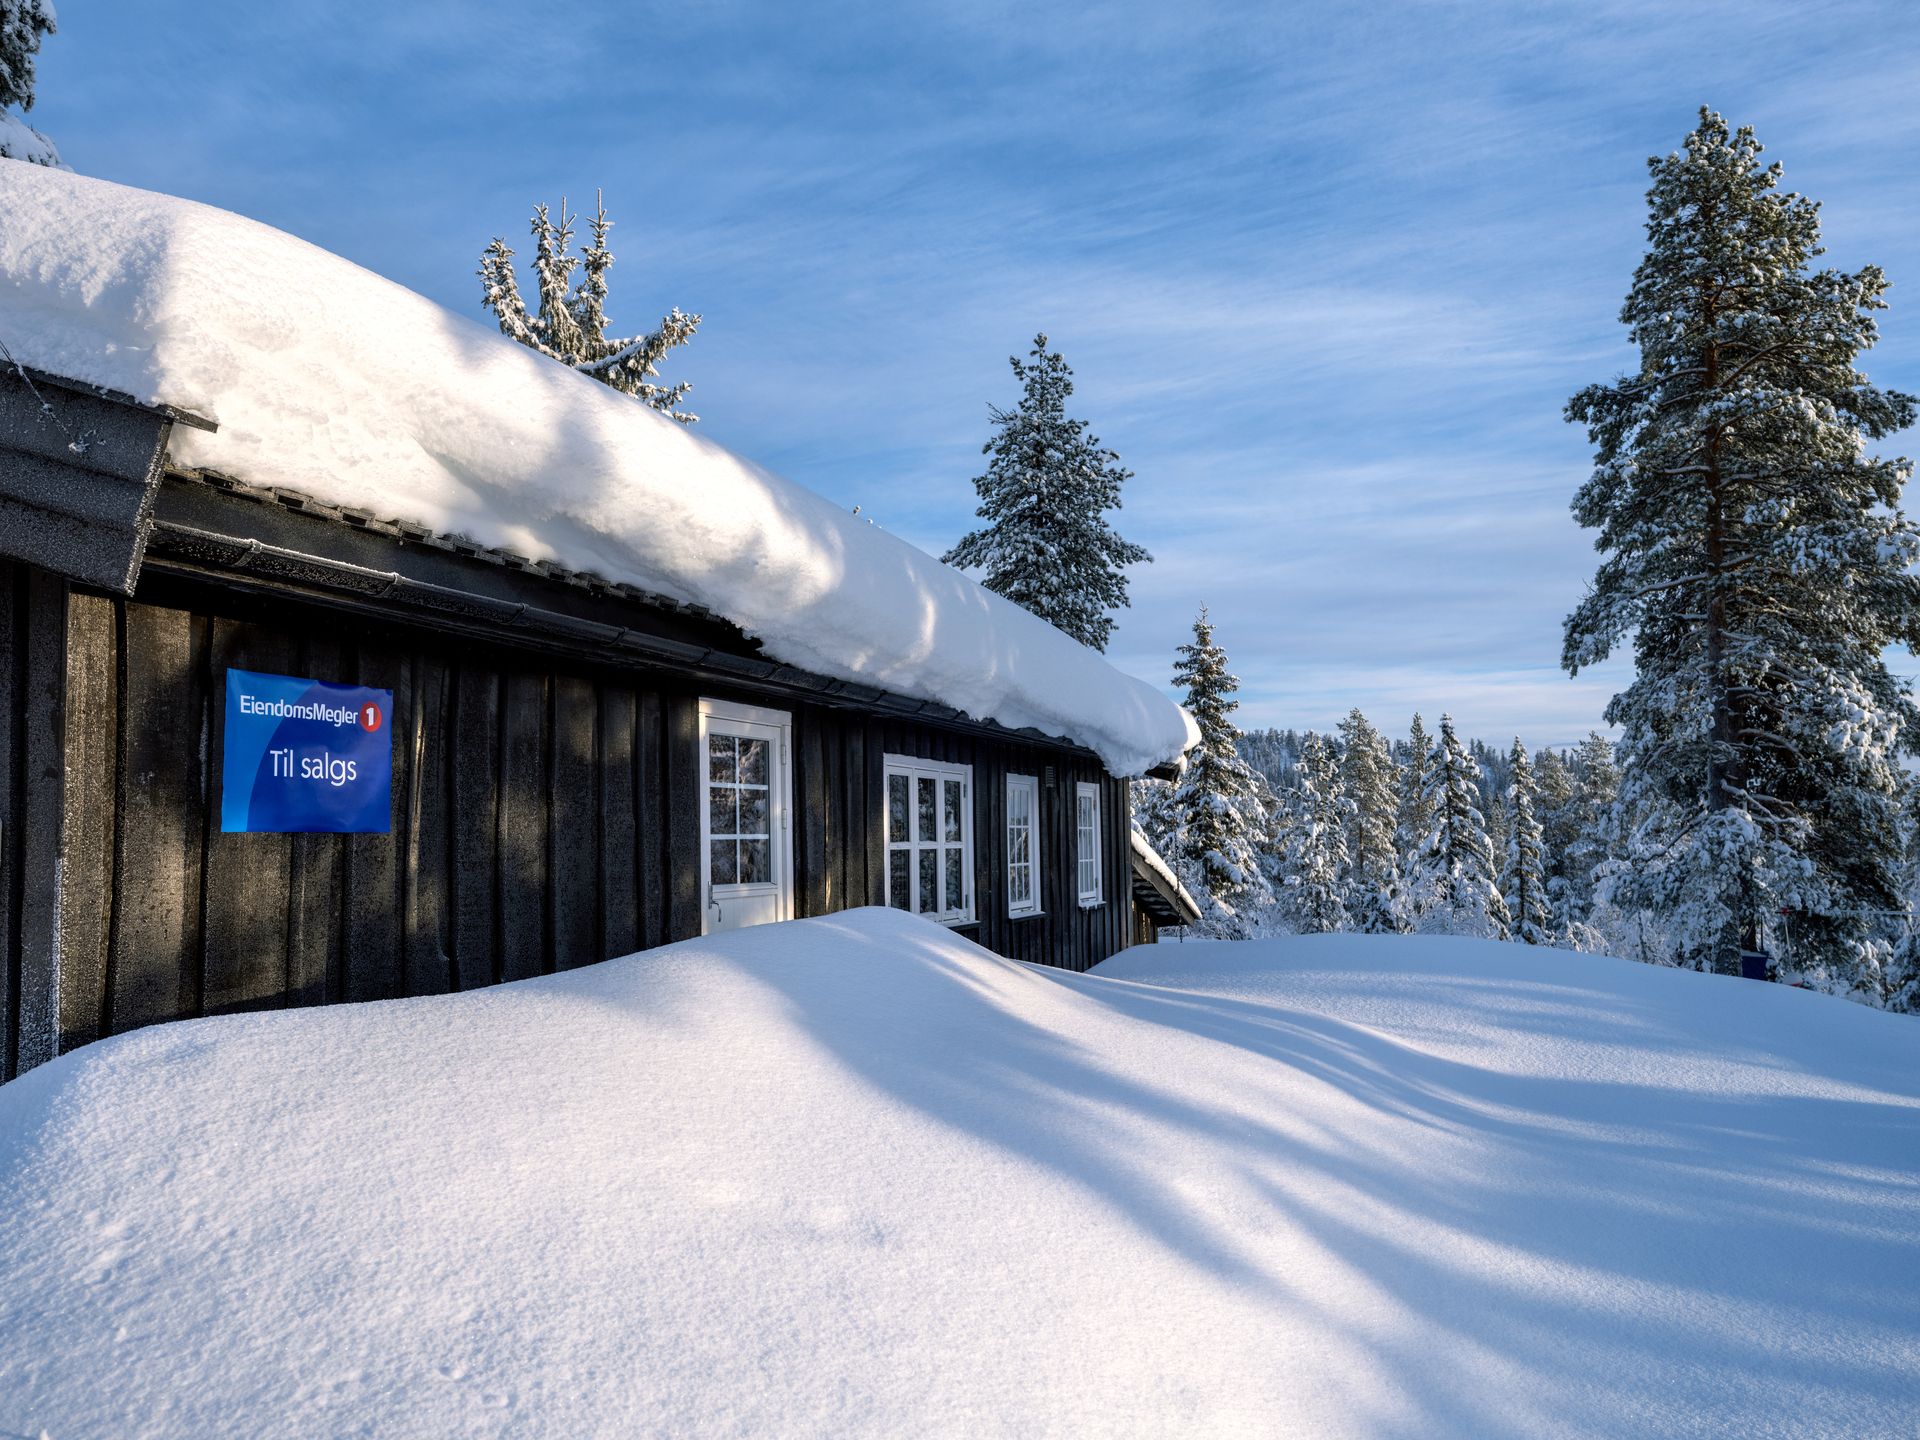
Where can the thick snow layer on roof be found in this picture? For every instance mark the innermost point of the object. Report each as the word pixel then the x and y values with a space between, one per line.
pixel 327 379
pixel 857 1177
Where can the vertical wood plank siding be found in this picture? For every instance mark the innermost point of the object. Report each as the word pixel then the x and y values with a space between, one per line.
pixel 543 817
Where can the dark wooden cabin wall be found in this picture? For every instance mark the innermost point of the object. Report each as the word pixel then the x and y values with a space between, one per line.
pixel 536 806
pixel 842 846
pixel 529 820
pixel 32 682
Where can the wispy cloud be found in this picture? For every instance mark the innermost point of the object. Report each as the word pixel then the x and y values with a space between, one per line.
pixel 1326 275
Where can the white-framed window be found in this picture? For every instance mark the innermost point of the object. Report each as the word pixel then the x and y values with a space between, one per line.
pixel 1023 845
pixel 930 838
pixel 1086 822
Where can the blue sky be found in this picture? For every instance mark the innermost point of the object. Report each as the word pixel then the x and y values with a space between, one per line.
pixel 1325 279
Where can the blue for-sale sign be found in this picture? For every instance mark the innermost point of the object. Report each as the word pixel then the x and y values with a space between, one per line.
pixel 302 755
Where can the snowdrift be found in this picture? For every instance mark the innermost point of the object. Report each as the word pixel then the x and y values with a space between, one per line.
pixel 329 380
pixel 856 1176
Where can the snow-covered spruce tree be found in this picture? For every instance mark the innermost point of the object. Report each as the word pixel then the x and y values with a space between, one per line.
pixel 571 322
pixel 1047 545
pixel 1758 556
pixel 23 24
pixel 1157 818
pixel 1367 775
pixel 1454 883
pixel 1523 882
pixel 1594 821
pixel 1216 800
pixel 1415 819
pixel 1554 808
pixel 1276 815
pixel 1314 864
pixel 1901 978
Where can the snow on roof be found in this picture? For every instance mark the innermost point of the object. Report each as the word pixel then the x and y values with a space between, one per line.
pixel 326 379
pixel 858 1177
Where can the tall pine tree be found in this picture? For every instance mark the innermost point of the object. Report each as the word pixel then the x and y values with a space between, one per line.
pixel 1216 800
pixel 1454 883
pixel 1047 545
pixel 571 322
pixel 1757 555
pixel 23 24
pixel 1367 775
pixel 1523 883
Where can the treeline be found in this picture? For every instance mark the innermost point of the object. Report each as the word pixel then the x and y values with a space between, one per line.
pixel 1294 832
pixel 1276 755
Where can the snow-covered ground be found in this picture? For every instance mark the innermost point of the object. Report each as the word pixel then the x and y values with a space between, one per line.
pixel 856 1176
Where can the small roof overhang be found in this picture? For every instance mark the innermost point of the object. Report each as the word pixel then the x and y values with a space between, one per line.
pixel 79 467
pixel 1156 890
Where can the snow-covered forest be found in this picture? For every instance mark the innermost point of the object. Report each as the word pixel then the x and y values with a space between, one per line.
pixel 1282 832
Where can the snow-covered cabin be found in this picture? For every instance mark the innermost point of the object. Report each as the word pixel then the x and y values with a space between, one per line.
pixel 607 684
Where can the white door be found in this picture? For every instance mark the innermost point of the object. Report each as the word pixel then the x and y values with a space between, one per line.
pixel 746 847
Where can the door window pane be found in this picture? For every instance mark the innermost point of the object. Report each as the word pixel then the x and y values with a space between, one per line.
pixel 899 890
pixel 897 810
pixel 754 813
pixel 720 757
pixel 756 862
pixel 720 811
pixel 723 865
pixel 753 762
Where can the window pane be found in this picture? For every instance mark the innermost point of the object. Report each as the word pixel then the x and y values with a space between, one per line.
pixel 899 865
pixel 897 810
pixel 720 757
pixel 929 880
pixel 952 810
pixel 756 861
pixel 1020 847
pixel 754 813
pixel 753 762
pixel 720 811
pixel 723 869
pixel 926 830
pixel 956 892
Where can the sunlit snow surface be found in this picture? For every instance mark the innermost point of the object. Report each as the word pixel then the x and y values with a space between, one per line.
pixel 857 1177
pixel 329 380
